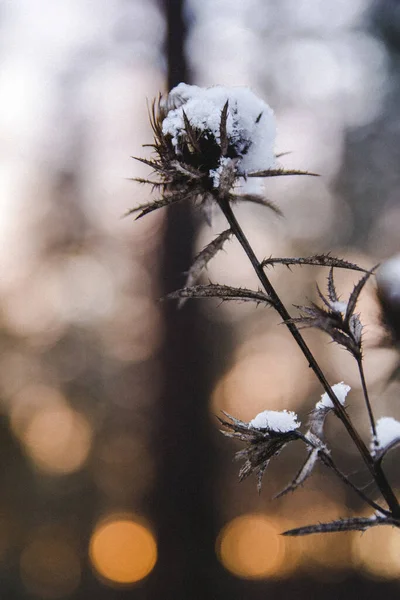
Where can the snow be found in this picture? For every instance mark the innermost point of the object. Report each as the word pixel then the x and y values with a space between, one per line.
pixel 387 431
pixel 338 306
pixel 250 121
pixel 276 420
pixel 340 390
pixel 216 173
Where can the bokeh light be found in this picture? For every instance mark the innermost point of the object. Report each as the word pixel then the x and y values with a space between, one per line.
pixel 259 378
pixel 250 547
pixel 56 437
pixel 376 553
pixel 122 550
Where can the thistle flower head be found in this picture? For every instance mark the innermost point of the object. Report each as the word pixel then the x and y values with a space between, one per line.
pixel 228 126
pixel 206 141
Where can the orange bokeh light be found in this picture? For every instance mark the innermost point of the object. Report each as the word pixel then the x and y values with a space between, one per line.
pixel 250 547
pixel 122 551
pixel 376 553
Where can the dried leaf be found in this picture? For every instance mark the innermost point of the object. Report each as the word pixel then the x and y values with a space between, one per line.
pixel 319 260
pixel 344 340
pixel 224 292
pixel 353 524
pixel 322 297
pixel 156 166
pixel 303 473
pixel 256 199
pixel 261 445
pixel 279 172
pixel 332 294
pixel 192 140
pixel 155 184
pixel 151 206
pixel 356 328
pixel 351 305
pixel 203 258
pixel 224 142
pixel 182 168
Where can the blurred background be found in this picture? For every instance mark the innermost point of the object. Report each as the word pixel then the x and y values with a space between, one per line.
pixel 114 480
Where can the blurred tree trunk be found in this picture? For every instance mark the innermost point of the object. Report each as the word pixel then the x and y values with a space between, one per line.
pixel 183 496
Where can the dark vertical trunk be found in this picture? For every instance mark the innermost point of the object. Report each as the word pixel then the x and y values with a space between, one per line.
pixel 183 500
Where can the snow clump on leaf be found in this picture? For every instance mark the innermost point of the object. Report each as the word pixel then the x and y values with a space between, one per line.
pixel 276 420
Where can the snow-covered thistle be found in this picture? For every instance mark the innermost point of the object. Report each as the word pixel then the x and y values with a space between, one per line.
pixel 207 143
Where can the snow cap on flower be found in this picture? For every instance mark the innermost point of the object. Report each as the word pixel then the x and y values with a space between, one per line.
pixel 340 390
pixel 250 124
pixel 280 421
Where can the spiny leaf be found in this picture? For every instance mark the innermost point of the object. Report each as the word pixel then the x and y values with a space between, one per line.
pixel 353 524
pixel 224 292
pixel 150 163
pixel 165 200
pixel 149 207
pixel 356 327
pixel 147 181
pixel 303 473
pixel 279 172
pixel 320 260
pixel 322 297
pixel 185 169
pixel 224 142
pixel 203 258
pixel 314 311
pixel 317 421
pixel 346 341
pixel 192 139
pixel 356 292
pixel 332 294
pixel 256 199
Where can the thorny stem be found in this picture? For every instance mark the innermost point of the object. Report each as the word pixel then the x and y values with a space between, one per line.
pixel 375 469
pixel 327 460
pixel 366 397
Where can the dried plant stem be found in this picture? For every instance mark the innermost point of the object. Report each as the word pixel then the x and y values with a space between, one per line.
pixel 375 469
pixel 327 460
pixel 366 397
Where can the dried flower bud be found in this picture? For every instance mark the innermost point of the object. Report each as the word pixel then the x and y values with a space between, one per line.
pixel 265 436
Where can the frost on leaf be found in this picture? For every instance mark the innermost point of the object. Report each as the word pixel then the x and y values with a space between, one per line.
pixel 387 436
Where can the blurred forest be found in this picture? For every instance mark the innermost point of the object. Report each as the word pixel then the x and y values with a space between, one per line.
pixel 114 480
